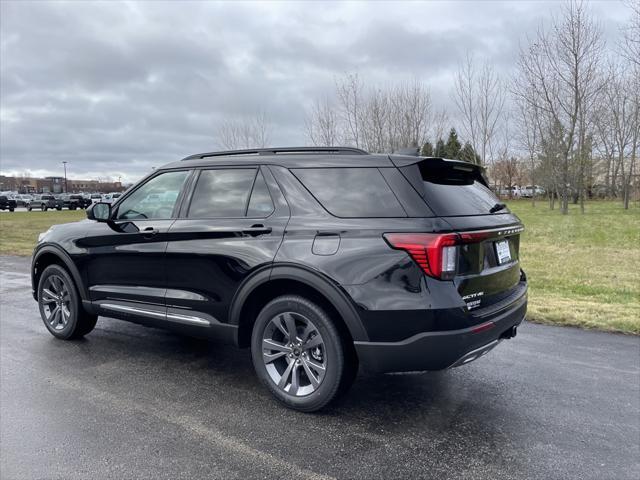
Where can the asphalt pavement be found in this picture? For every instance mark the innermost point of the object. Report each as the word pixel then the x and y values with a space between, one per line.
pixel 131 402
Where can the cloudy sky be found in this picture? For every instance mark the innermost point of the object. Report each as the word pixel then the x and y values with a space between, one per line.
pixel 116 88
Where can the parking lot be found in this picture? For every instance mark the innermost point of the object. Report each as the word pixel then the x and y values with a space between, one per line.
pixel 132 402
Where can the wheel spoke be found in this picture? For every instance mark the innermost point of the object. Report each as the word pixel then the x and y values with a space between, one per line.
pixel 291 327
pixel 314 342
pixel 50 296
pixel 310 375
pixel 270 357
pixel 316 366
pixel 65 314
pixel 295 378
pixel 268 344
pixel 285 376
pixel 53 317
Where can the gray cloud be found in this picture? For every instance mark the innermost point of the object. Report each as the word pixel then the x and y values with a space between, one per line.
pixel 115 88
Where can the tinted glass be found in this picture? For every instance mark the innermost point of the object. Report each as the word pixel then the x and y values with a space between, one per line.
pixel 452 190
pixel 155 199
pixel 260 204
pixel 351 192
pixel 221 193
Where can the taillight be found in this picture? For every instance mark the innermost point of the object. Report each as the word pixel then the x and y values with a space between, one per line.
pixel 437 254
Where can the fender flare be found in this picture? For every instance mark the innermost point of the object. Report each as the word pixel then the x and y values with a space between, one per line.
pixel 312 278
pixel 68 263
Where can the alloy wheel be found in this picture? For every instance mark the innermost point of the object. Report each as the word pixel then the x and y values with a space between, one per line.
pixel 56 302
pixel 294 354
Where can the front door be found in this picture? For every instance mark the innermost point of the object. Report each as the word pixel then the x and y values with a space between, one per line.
pixel 125 266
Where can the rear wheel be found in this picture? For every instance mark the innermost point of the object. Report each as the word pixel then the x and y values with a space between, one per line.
pixel 60 305
pixel 299 354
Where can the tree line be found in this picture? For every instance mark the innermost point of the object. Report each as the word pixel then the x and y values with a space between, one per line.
pixel 567 117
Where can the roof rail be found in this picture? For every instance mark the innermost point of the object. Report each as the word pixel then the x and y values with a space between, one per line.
pixel 275 151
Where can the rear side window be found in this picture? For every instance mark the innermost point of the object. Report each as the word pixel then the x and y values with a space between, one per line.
pixel 351 192
pixel 222 193
pixel 451 190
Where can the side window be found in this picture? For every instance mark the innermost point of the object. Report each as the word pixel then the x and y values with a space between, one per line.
pixel 351 192
pixel 155 199
pixel 260 204
pixel 222 193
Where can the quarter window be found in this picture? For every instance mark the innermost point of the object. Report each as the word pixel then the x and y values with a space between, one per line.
pixel 155 199
pixel 351 192
pixel 260 204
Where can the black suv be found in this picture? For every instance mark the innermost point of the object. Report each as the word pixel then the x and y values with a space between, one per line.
pixel 73 202
pixel 318 259
pixel 7 203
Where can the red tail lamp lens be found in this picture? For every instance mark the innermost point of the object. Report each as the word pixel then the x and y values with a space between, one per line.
pixel 436 254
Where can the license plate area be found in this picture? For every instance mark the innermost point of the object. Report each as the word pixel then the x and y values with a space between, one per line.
pixel 503 251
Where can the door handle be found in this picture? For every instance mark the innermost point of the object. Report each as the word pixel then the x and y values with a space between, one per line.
pixel 149 232
pixel 255 230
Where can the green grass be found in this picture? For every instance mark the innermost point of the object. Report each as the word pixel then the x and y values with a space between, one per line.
pixel 583 270
pixel 19 230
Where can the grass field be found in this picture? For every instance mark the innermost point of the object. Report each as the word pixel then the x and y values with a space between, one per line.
pixel 19 230
pixel 583 270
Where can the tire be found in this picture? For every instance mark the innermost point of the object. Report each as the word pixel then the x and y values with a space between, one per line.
pixel 11 209
pixel 44 208
pixel 329 349
pixel 29 208
pixel 63 315
pixel 58 208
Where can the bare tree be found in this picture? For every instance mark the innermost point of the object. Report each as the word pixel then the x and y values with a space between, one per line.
pixel 245 132
pixel 322 124
pixel 528 136
pixel 480 100
pixel 559 75
pixel 349 90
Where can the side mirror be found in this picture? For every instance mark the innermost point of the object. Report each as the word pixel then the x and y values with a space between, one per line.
pixel 99 211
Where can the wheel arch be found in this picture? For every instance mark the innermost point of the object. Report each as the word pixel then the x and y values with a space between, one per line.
pixel 279 280
pixel 52 254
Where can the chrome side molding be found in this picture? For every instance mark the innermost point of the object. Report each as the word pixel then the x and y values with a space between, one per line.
pixel 171 317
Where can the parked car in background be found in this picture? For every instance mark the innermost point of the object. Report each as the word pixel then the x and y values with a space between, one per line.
pixel 317 259
pixel 45 202
pixel 510 192
pixel 72 201
pixel 22 200
pixel 529 191
pixel 111 197
pixel 7 203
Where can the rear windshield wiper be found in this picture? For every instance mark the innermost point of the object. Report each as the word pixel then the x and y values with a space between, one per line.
pixel 497 207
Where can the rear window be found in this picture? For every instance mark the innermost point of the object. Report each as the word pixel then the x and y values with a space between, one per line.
pixel 351 192
pixel 451 190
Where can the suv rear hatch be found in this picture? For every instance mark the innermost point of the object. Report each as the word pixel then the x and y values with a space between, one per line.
pixel 480 252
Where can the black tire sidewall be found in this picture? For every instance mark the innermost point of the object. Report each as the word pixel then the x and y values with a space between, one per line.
pixel 70 329
pixel 330 385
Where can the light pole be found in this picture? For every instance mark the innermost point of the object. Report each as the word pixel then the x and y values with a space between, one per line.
pixel 66 190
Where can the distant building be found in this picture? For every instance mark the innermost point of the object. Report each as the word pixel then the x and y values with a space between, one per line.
pixel 55 185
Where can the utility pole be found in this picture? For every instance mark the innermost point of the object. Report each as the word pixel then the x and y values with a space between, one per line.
pixel 66 190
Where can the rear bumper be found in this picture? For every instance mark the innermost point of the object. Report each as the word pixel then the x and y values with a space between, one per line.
pixel 443 349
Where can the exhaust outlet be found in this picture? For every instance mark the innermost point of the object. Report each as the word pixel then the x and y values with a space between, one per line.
pixel 510 333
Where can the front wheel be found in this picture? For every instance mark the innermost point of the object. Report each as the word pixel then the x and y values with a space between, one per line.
pixel 60 305
pixel 300 355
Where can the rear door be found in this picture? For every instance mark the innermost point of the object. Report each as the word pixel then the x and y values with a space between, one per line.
pixel 488 266
pixel 231 224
